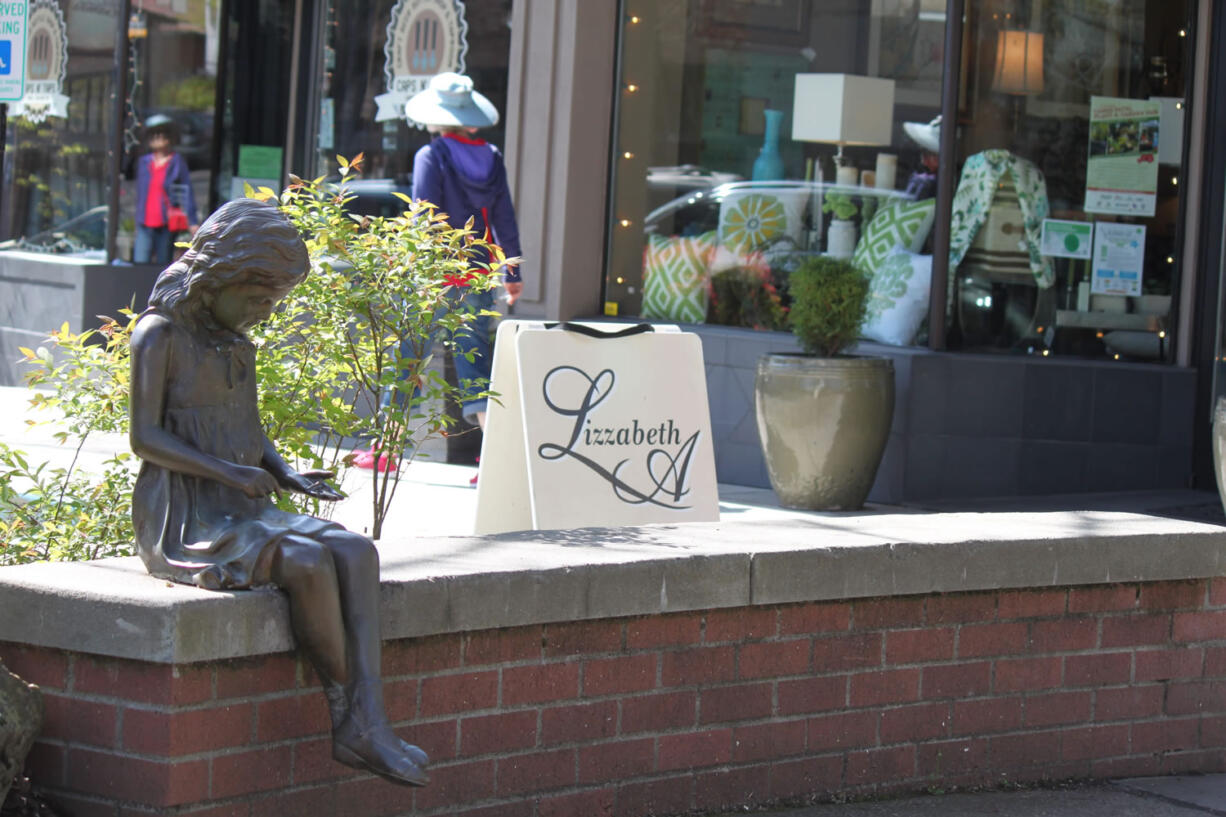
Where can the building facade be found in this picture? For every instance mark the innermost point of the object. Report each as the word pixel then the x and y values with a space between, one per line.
pixel 1035 187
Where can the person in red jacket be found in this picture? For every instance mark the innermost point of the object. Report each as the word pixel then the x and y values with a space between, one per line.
pixel 163 195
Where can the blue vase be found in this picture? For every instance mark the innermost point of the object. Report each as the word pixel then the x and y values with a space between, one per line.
pixel 769 164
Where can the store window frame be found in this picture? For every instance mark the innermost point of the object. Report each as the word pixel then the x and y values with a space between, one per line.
pixel 119 82
pixel 1182 318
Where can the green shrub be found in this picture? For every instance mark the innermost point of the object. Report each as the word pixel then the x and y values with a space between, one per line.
pixel 744 296
pixel 64 513
pixel 325 360
pixel 829 296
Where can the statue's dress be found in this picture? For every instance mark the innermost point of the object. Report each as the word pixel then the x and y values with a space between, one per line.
pixel 196 530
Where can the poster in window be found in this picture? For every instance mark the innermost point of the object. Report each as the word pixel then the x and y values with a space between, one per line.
pixel 1119 255
pixel 1122 169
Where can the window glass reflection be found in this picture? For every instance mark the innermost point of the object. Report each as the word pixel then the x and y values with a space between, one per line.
pixel 1071 110
pixel 169 130
pixel 56 140
pixel 751 134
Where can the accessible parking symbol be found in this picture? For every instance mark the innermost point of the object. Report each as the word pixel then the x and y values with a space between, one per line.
pixel 6 57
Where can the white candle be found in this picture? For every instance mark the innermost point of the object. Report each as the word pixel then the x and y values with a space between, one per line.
pixel 887 167
pixel 848 175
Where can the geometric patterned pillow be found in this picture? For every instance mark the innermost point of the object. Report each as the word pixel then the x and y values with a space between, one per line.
pixel 898 294
pixel 675 277
pixel 750 219
pixel 899 222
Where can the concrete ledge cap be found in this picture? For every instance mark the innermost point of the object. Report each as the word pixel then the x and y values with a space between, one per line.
pixel 455 584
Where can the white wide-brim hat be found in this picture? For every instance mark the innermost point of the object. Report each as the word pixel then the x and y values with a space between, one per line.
pixel 451 100
pixel 927 136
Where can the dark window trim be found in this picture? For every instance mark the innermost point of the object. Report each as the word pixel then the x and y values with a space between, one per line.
pixel 950 77
pixel 119 94
pixel 1204 321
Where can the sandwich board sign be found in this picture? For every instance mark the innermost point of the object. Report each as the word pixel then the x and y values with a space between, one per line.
pixel 14 17
pixel 595 425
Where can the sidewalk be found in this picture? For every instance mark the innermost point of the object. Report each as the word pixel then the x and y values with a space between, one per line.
pixel 435 500
pixel 1181 796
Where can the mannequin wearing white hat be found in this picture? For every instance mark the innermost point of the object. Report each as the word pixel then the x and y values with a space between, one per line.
pixel 923 182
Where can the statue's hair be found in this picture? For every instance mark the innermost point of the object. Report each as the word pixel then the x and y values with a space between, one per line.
pixel 244 241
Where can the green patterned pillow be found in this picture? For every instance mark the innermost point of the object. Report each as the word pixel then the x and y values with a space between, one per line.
pixel 675 277
pixel 899 222
pixel 898 294
pixel 752 218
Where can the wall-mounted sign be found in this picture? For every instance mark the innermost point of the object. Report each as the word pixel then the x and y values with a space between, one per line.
pixel 46 64
pixel 1122 169
pixel 13 27
pixel 1119 259
pixel 258 166
pixel 424 38
pixel 596 431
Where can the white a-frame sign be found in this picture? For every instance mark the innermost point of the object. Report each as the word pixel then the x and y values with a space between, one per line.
pixel 596 425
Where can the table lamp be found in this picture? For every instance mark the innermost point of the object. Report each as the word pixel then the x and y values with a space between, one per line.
pixel 843 109
pixel 1019 63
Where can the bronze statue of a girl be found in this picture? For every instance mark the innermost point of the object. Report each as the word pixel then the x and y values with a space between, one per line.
pixel 201 506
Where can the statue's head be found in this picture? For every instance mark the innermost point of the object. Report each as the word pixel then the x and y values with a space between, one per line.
pixel 244 242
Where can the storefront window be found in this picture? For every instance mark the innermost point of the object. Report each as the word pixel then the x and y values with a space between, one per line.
pixel 173 52
pixel 730 116
pixel 358 112
pixel 1070 109
pixel 56 147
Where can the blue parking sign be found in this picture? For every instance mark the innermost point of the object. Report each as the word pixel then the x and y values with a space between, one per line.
pixel 6 57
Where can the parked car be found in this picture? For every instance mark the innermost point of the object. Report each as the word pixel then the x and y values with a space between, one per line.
pixel 83 235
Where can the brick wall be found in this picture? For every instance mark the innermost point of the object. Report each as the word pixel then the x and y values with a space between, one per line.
pixel 663 714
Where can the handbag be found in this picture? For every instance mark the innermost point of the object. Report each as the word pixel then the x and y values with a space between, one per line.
pixel 176 219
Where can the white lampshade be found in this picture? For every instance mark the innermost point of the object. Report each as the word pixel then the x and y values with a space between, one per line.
pixel 1019 62
pixel 843 109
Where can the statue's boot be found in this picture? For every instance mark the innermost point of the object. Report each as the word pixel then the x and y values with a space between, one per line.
pixel 338 707
pixel 361 737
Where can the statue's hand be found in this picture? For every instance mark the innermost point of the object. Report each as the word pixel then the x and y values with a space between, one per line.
pixel 313 483
pixel 255 482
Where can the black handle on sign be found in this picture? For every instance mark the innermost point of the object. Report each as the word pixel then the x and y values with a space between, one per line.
pixel 567 326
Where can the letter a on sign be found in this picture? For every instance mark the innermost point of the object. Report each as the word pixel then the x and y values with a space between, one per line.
pixel 596 425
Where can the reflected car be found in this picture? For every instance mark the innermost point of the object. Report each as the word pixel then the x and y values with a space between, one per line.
pixel 83 235
pixel 376 197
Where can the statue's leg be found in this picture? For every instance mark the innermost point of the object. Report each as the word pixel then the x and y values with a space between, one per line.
pixel 363 733
pixel 306 572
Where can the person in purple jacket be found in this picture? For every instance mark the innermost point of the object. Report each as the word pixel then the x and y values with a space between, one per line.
pixel 464 176
pixel 163 185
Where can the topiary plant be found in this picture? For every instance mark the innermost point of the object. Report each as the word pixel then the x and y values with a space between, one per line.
pixel 829 296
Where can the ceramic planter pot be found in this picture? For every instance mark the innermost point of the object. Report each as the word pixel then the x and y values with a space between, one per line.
pixel 823 425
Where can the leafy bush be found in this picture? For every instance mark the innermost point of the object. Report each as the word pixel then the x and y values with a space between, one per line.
pixel 326 359
pixel 62 513
pixel 829 296
pixel 332 356
pixel 745 296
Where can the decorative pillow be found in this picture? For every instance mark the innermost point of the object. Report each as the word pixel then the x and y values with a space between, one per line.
pixel 675 277
pixel 897 298
pixel 750 219
pixel 899 222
